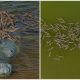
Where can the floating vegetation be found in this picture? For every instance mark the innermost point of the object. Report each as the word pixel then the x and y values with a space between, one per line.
pixel 64 34
pixel 7 25
pixel 30 20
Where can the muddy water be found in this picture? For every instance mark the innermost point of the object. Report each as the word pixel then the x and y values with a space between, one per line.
pixel 26 62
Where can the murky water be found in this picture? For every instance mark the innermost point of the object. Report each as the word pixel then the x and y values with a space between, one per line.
pixel 26 62
pixel 62 63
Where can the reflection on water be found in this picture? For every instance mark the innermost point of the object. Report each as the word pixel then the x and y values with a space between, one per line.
pixel 25 64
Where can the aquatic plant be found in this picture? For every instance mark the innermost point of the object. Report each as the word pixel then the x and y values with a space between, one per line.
pixel 7 25
pixel 64 34
pixel 30 19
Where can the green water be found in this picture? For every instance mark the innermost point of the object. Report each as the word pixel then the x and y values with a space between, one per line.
pixel 69 65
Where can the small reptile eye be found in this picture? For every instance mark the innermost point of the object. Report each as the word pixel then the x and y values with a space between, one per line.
pixel 12 51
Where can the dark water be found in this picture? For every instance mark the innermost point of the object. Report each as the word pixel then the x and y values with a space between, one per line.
pixel 26 62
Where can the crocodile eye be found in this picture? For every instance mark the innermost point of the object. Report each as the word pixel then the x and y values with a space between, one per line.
pixel 12 51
